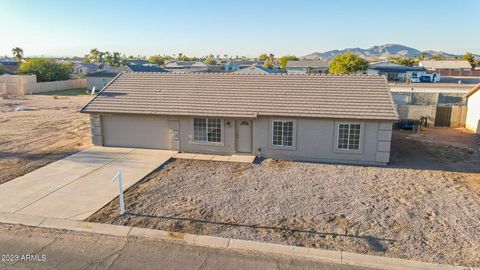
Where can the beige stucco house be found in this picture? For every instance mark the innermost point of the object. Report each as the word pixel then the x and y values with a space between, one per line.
pixel 325 118
pixel 473 110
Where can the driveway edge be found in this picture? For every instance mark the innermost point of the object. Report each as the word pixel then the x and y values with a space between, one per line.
pixel 330 256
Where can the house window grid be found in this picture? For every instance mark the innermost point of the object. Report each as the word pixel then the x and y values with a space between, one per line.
pixel 349 136
pixel 282 133
pixel 207 130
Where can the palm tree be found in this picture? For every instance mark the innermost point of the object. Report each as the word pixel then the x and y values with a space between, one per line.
pixel 17 53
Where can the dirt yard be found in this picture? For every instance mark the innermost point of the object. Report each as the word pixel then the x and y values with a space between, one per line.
pixel 422 214
pixel 31 139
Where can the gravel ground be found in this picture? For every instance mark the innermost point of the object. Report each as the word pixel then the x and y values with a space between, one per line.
pixel 427 215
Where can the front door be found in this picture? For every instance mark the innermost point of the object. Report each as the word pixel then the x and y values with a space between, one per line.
pixel 244 136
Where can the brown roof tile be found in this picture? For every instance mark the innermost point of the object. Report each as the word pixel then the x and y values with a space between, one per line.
pixel 247 95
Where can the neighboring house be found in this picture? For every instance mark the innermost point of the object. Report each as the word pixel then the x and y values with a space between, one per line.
pixel 99 79
pixel 136 62
pixel 140 68
pixel 237 65
pixel 256 70
pixel 85 68
pixel 307 67
pixel 10 66
pixel 187 66
pixel 344 118
pixel 399 73
pixel 445 65
pixel 473 109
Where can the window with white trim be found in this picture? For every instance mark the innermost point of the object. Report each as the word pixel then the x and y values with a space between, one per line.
pixel 282 133
pixel 348 136
pixel 207 130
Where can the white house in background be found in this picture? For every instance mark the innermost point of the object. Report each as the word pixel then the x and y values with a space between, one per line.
pixel 400 73
pixel 322 118
pixel 87 68
pixel 307 67
pixel 473 110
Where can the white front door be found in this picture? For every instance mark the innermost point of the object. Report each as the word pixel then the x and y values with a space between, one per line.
pixel 244 136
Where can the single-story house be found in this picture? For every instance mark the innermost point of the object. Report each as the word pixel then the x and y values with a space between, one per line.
pixel 240 64
pixel 346 118
pixel 257 70
pixel 10 66
pixel 85 68
pixel 188 66
pixel 100 79
pixel 437 65
pixel 149 67
pixel 307 67
pixel 473 109
pixel 400 73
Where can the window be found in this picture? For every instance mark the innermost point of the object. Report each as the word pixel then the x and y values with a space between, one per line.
pixel 348 136
pixel 207 130
pixel 282 133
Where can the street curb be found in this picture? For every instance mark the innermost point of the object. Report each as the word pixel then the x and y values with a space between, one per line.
pixel 338 257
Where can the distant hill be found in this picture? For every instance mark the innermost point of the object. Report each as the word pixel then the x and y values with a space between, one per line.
pixel 382 51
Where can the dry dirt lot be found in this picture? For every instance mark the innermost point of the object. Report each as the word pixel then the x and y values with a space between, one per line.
pixel 33 138
pixel 411 209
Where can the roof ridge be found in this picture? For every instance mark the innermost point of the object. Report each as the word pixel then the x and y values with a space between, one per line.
pixel 244 74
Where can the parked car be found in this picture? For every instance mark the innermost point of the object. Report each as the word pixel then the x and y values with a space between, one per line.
pixel 425 79
pixel 415 79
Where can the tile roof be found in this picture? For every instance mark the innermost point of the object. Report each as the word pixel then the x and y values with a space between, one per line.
pixel 451 64
pixel 247 95
pixel 308 63
pixel 145 68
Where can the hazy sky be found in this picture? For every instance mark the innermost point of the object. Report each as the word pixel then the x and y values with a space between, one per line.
pixel 235 27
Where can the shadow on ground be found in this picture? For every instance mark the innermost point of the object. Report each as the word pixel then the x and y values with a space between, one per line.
pixel 374 242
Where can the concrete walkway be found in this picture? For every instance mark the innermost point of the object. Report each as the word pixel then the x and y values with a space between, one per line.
pixel 79 185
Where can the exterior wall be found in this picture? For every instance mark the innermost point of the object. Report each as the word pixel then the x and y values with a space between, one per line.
pixel 315 140
pixel 473 113
pixel 98 82
pixel 27 84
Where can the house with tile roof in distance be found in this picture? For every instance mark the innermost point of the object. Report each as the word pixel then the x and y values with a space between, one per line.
pixel 257 70
pixel 241 64
pixel 450 67
pixel 325 118
pixel 10 66
pixel 307 67
pixel 400 73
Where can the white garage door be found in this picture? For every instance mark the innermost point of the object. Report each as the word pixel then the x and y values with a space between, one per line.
pixel 136 131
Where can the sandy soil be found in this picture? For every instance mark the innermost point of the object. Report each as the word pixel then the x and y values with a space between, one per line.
pixel 32 139
pixel 422 214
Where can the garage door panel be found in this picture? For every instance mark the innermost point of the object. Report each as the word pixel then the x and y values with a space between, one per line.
pixel 135 131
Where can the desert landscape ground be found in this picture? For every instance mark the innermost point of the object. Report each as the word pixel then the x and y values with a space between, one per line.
pixel 48 129
pixel 411 209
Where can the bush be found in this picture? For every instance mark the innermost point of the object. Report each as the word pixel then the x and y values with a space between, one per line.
pixel 45 69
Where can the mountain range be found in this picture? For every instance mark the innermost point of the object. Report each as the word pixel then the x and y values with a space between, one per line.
pixel 382 51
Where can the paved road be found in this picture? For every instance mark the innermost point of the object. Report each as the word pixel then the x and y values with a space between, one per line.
pixel 73 250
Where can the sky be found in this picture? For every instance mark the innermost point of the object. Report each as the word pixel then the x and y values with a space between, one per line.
pixel 235 27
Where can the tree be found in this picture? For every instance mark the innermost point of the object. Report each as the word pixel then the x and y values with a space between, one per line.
pixel 45 69
pixel 347 63
pixel 470 58
pixel 263 57
pixel 406 61
pixel 284 59
pixel 157 59
pixel 267 64
pixel 17 53
pixel 210 61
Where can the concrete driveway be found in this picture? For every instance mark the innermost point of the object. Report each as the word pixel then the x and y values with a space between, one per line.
pixel 79 185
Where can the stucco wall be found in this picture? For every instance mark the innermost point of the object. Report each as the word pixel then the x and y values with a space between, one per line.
pixel 98 82
pixel 314 139
pixel 473 113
